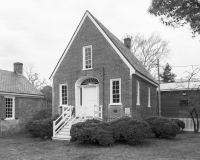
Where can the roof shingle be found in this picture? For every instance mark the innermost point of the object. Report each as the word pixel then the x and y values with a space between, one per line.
pixel 11 82
pixel 137 65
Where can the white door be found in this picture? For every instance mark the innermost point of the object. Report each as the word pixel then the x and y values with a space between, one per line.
pixel 90 100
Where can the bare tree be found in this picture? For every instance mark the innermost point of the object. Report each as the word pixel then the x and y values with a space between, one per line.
pixel 193 96
pixel 149 49
pixel 33 77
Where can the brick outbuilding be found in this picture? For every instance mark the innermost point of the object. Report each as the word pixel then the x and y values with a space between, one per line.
pixel 19 100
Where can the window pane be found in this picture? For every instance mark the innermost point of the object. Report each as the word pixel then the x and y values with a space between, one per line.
pixel 9 107
pixel 115 92
pixel 64 94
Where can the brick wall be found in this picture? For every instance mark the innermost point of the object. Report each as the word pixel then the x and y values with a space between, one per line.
pixel 27 107
pixel 170 103
pixel 106 65
pixel 143 110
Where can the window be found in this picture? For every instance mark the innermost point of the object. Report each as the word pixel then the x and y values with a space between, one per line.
pixel 149 97
pixel 115 91
pixel 183 103
pixel 63 94
pixel 87 57
pixel 138 93
pixel 10 108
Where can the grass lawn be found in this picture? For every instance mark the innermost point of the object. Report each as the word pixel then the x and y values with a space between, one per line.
pixel 185 146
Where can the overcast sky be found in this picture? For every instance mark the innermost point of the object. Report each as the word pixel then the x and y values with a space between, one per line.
pixel 37 31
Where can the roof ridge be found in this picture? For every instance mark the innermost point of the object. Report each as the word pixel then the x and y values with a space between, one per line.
pixel 130 57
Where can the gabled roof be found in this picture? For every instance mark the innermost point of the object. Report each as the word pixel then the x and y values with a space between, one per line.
pixel 13 83
pixel 132 62
pixel 176 86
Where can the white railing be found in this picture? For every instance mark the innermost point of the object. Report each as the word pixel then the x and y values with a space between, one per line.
pixel 65 116
pixel 81 116
pixel 98 112
pixel 189 126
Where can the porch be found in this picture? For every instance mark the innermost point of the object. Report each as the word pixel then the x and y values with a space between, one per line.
pixel 62 125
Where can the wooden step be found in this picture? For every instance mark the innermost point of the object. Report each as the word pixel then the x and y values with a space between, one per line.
pixel 63 136
pixel 63 133
pixel 61 139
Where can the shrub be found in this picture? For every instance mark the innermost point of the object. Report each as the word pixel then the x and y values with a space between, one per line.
pixel 41 124
pixel 106 133
pixel 92 131
pixel 43 114
pixel 180 123
pixel 40 128
pixel 163 127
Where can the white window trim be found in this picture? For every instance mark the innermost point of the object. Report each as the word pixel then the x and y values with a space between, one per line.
pixel 111 95
pixel 149 97
pixel 89 46
pixel 60 94
pixel 13 108
pixel 138 92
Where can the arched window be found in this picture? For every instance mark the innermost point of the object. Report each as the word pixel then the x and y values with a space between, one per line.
pixel 90 81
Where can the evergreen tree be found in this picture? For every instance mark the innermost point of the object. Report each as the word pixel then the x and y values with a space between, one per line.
pixel 167 75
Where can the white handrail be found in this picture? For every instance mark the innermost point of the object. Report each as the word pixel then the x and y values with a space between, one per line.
pixel 69 120
pixel 83 108
pixel 98 112
pixel 66 113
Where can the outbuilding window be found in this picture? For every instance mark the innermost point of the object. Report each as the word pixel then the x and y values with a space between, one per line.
pixel 87 57
pixel 183 103
pixel 10 107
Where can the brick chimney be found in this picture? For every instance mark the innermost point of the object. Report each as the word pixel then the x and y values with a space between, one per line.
pixel 18 67
pixel 127 42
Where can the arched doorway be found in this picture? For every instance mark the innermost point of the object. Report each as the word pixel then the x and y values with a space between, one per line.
pixel 87 94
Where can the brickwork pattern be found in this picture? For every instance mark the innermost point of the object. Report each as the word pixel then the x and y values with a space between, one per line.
pixel 106 65
pixel 170 103
pixel 27 108
pixel 143 110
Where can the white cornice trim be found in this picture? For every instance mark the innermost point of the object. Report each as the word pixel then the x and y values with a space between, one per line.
pixel 132 70
pixel 87 14
pixel 143 77
pixel 21 95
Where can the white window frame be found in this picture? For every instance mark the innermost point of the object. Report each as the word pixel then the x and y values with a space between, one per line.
pixel 138 92
pixel 84 67
pixel 149 97
pixel 60 92
pixel 13 108
pixel 111 91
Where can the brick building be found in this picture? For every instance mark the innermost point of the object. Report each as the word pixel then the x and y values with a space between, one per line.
pixel 19 100
pixel 175 99
pixel 96 68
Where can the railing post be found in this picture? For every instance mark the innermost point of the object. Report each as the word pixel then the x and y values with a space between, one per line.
pixel 85 112
pixel 54 129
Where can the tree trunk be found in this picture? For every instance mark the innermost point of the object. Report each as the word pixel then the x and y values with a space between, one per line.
pixel 197 117
pixel 191 114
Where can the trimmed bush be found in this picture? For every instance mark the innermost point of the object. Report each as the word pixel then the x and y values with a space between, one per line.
pixel 163 127
pixel 106 133
pixel 43 114
pixel 40 128
pixel 180 123
pixel 41 125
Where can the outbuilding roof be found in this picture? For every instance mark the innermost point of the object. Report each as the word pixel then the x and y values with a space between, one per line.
pixel 14 83
pixel 175 86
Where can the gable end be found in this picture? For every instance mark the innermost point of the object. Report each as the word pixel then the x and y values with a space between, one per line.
pixel 87 14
